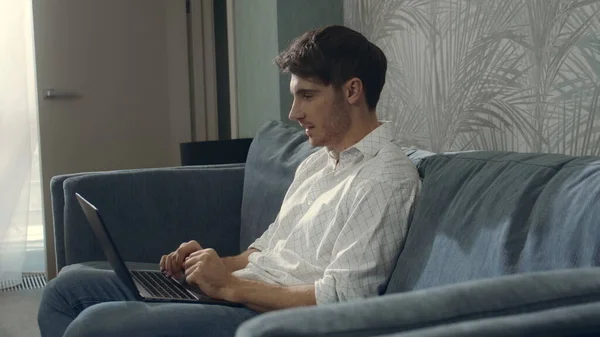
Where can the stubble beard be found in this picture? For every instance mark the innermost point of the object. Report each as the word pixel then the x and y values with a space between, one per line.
pixel 338 123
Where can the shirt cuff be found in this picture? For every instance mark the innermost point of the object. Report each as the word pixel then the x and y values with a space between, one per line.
pixel 257 245
pixel 325 292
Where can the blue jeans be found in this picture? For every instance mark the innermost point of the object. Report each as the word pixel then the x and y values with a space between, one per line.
pixel 88 302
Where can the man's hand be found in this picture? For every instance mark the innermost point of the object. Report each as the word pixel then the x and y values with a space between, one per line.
pixel 172 264
pixel 206 269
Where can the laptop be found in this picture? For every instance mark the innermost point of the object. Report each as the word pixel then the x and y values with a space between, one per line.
pixel 146 285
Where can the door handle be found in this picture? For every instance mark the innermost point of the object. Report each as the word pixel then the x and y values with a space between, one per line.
pixel 60 94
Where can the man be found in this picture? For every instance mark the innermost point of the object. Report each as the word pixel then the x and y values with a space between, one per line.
pixel 338 234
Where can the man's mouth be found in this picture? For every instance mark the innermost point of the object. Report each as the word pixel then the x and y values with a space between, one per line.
pixel 307 129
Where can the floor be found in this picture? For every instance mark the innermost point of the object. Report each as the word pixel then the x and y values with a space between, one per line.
pixel 18 309
pixel 18 313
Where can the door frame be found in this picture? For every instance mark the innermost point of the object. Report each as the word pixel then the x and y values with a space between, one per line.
pixel 203 84
pixel 233 108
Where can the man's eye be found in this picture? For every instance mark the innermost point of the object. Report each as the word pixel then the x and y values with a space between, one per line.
pixel 307 96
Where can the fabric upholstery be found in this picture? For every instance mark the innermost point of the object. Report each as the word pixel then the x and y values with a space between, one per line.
pixel 441 306
pixel 150 212
pixel 274 156
pixel 417 155
pixel 58 215
pixel 486 214
pixel 581 320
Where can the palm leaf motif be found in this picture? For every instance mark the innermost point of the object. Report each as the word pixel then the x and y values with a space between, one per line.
pixel 380 19
pixel 516 75
pixel 555 33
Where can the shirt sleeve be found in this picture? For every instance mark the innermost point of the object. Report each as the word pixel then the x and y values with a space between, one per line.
pixel 262 242
pixel 369 243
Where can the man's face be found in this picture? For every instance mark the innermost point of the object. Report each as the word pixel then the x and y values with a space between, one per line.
pixel 321 110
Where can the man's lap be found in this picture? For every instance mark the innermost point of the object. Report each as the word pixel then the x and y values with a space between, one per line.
pixel 135 318
pixel 106 308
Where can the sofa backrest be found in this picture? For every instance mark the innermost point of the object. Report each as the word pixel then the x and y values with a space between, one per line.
pixel 274 155
pixel 487 214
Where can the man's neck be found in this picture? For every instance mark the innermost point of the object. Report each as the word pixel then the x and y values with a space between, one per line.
pixel 360 128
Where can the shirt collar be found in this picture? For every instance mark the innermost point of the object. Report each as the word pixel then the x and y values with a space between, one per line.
pixel 371 143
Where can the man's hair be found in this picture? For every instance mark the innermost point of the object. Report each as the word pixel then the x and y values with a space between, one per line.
pixel 333 55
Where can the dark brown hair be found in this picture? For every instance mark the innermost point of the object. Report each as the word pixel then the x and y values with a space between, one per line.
pixel 333 55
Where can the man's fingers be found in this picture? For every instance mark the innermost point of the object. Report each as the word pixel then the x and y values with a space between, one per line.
pixel 196 257
pixel 203 252
pixel 167 265
pixel 196 253
pixel 189 247
pixel 190 279
pixel 185 250
pixel 195 245
pixel 191 261
pixel 190 271
pixel 193 275
pixel 188 263
pixel 174 265
pixel 161 264
pixel 180 252
pixel 171 265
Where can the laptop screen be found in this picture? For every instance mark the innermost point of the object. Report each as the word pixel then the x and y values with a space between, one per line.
pixel 107 243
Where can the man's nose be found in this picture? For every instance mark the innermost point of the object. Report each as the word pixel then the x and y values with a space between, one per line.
pixel 295 113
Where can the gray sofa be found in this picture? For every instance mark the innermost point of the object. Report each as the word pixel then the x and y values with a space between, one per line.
pixel 501 244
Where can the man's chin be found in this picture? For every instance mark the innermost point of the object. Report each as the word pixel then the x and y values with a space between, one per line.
pixel 315 142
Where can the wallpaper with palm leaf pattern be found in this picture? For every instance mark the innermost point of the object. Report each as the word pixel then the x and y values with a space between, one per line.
pixel 510 75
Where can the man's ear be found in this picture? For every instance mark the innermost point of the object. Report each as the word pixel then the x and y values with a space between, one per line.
pixel 353 90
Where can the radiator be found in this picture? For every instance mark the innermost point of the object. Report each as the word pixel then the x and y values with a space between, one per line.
pixel 30 281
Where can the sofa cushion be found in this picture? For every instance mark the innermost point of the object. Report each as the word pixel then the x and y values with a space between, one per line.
pixel 417 155
pixel 446 306
pixel 573 320
pixel 486 214
pixel 274 155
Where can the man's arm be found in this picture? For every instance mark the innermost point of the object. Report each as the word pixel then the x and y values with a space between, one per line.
pixel 233 263
pixel 210 273
pixel 263 297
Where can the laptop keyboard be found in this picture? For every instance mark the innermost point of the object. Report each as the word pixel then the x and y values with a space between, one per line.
pixel 159 286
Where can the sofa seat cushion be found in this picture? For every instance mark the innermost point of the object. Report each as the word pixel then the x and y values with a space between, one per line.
pixel 487 214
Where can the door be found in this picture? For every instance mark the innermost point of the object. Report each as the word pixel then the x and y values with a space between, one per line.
pixel 113 88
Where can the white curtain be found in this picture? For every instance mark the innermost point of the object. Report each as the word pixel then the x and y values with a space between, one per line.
pixel 18 135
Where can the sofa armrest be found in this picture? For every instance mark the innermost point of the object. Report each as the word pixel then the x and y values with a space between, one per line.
pixel 429 308
pixel 572 320
pixel 149 212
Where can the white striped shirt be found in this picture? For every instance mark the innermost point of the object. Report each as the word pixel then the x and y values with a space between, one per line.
pixel 341 226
